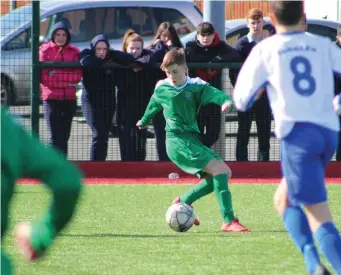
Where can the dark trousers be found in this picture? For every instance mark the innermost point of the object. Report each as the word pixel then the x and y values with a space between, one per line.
pixel 159 123
pixel 262 113
pixel 209 119
pixel 59 115
pixel 99 112
pixel 132 141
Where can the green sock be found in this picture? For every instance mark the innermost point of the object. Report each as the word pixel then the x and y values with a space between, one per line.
pixel 203 188
pixel 224 197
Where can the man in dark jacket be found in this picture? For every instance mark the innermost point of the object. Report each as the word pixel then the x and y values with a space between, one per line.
pixel 208 48
pixel 99 95
pixel 261 110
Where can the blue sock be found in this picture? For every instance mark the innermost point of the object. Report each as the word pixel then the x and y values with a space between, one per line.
pixel 328 237
pixel 297 225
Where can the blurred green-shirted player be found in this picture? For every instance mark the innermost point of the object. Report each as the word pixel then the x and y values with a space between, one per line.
pixel 24 156
pixel 180 97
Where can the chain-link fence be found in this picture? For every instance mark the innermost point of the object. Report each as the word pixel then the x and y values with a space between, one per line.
pixel 81 135
pixel 21 73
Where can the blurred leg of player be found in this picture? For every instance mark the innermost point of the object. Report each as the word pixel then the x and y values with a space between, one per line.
pixel 305 153
pixel 6 267
pixel 27 157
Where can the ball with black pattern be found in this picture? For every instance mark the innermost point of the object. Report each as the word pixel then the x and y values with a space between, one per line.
pixel 180 217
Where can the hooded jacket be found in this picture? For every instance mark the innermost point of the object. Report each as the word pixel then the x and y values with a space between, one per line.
pixel 218 51
pixel 100 82
pixel 59 83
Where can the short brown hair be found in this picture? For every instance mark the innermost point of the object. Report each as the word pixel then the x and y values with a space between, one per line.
pixel 175 56
pixel 255 14
pixel 339 30
pixel 205 28
pixel 130 36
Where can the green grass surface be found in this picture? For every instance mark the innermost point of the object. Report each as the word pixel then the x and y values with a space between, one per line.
pixel 120 229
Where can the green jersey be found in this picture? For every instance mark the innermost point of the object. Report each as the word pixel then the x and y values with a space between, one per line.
pixel 181 104
pixel 23 156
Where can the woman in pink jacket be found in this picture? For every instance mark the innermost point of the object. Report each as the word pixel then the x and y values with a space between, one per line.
pixel 58 86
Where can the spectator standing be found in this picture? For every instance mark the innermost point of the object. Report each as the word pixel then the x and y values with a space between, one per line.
pixel 208 48
pixel 168 35
pixel 58 86
pixel 99 93
pixel 261 110
pixel 134 91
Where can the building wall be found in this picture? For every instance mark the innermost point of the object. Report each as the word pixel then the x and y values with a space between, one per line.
pixel 239 9
pixel 234 9
pixel 6 5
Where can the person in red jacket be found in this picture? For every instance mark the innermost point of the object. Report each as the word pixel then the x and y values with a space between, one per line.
pixel 58 86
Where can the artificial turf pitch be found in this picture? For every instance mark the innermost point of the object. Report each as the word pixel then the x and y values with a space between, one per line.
pixel 121 229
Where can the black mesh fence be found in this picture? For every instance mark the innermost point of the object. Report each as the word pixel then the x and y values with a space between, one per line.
pixel 97 124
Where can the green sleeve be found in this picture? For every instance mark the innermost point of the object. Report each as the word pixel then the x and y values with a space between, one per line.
pixel 61 177
pixel 209 94
pixel 152 109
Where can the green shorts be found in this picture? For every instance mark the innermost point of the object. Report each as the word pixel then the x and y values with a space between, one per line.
pixel 188 153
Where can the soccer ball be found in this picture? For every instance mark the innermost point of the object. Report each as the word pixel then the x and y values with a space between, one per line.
pixel 180 217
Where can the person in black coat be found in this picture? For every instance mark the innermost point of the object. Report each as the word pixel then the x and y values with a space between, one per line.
pixel 261 109
pixel 166 33
pixel 98 97
pixel 135 88
pixel 338 91
pixel 208 48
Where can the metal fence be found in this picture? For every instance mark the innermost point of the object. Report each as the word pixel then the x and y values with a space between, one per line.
pixel 21 58
pixel 81 136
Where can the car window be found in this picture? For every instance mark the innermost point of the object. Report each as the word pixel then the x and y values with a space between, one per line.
pixel 139 19
pixel 15 19
pixel 23 40
pixel 113 22
pixel 181 23
pixel 322 30
pixel 232 38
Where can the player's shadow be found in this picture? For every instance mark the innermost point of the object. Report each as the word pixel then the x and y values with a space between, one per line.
pixel 270 231
pixel 26 192
pixel 111 235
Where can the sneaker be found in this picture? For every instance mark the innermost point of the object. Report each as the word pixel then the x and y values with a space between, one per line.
pixel 234 226
pixel 321 270
pixel 177 200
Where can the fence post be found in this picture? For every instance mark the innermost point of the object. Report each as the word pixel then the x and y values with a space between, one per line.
pixel 12 4
pixel 214 12
pixel 35 76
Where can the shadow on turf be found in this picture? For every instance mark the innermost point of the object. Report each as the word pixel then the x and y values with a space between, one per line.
pixel 269 231
pixel 110 235
pixel 23 192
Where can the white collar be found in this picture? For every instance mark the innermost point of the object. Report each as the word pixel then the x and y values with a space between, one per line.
pixel 251 39
pixel 178 87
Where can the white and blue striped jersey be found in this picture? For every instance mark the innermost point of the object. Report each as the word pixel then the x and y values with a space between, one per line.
pixel 297 71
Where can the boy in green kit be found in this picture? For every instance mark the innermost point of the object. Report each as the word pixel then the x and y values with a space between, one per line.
pixel 180 97
pixel 24 156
